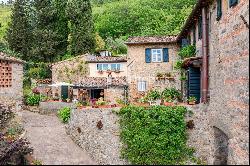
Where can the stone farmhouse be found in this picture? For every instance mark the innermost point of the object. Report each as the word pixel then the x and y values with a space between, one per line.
pixel 11 78
pixel 92 77
pixel 219 77
pixel 150 65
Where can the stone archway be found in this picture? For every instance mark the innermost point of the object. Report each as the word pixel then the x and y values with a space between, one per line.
pixel 221 147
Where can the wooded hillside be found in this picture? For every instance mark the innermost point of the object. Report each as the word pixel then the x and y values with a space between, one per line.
pixel 131 17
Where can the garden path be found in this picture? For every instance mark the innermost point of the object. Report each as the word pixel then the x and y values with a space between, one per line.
pixel 52 146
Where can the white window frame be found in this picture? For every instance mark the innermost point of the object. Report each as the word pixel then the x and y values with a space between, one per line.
pixel 117 66
pixel 142 86
pixel 109 66
pixel 155 55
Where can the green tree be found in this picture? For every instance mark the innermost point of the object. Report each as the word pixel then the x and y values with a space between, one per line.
pixel 100 43
pixel 51 30
pixel 62 28
pixel 117 18
pixel 82 26
pixel 19 36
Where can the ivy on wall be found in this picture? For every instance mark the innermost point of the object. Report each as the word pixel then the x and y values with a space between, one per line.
pixel 69 74
pixel 155 135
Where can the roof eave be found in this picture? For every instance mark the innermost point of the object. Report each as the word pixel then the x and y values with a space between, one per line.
pixel 141 43
pixel 192 17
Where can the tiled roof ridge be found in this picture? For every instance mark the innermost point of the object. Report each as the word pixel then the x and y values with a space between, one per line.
pixel 4 56
pixel 151 39
pixel 96 58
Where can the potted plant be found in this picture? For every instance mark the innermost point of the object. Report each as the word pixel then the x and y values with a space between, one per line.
pixel 109 71
pixel 154 97
pixel 192 100
pixel 117 71
pixel 143 102
pixel 168 75
pixel 159 75
pixel 100 71
pixel 168 102
pixel 170 95
pixel 101 103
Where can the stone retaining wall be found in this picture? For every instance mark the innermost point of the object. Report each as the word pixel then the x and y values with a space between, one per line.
pixel 53 107
pixel 103 145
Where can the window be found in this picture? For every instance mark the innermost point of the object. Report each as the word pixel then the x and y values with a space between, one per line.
pixel 219 9
pixel 142 86
pixel 233 3
pixel 5 74
pixel 109 66
pixel 115 66
pixel 194 35
pixel 157 55
pixel 200 27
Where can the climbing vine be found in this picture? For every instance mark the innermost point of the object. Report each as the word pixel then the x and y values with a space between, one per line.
pixel 155 135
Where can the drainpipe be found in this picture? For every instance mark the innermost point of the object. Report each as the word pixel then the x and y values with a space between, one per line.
pixel 205 56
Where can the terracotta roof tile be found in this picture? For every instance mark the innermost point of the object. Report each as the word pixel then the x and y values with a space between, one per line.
pixel 3 56
pixel 151 39
pixel 101 82
pixel 95 59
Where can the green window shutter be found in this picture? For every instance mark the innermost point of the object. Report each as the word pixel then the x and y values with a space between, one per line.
pixel 184 43
pixel 148 55
pixel 194 35
pixel 165 55
pixel 200 27
pixel 233 3
pixel 219 9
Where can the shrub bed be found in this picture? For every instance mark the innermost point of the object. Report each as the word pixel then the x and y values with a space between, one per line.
pixel 154 135
pixel 64 114
pixel 5 115
pixel 33 100
pixel 13 151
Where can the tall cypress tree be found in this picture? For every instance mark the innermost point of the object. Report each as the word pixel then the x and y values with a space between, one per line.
pixel 19 33
pixel 45 43
pixel 62 28
pixel 51 30
pixel 82 26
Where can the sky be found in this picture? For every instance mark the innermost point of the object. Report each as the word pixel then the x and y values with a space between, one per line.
pixel 3 0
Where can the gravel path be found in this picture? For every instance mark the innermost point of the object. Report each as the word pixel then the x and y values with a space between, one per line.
pixel 51 144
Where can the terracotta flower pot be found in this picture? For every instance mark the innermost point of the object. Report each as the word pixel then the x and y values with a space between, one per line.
pixel 168 104
pixel 191 102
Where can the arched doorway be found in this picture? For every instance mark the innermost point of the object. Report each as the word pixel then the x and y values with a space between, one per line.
pixel 221 147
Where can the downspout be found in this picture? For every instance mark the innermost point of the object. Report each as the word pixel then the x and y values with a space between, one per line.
pixel 204 56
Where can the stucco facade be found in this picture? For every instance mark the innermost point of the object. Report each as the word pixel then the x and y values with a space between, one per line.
pixel 221 133
pixel 139 70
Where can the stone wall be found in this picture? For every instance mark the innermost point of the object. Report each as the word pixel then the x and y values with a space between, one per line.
pixel 139 70
pixel 71 70
pixel 113 93
pixel 103 143
pixel 16 90
pixel 53 107
pixel 229 79
pixel 228 108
